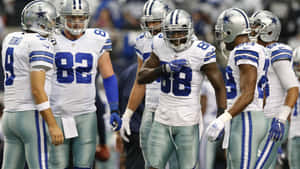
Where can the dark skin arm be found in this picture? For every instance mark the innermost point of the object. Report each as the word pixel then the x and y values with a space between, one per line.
pixel 214 75
pixel 150 70
pixel 248 77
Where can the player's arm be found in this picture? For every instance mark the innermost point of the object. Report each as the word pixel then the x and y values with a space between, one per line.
pixel 289 82
pixel 214 75
pixel 37 78
pixel 136 96
pixel 150 70
pixel 248 77
pixel 110 84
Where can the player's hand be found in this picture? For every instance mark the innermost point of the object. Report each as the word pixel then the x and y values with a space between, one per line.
pixel 174 65
pixel 115 121
pixel 216 128
pixel 126 124
pixel 57 136
pixel 102 152
pixel 276 132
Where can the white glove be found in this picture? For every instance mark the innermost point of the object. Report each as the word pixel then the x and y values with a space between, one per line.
pixel 126 124
pixel 215 128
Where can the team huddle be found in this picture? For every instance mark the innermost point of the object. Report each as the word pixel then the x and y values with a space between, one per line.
pixel 50 89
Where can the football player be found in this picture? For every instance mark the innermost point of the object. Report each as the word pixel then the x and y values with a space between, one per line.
pixel 180 61
pixel 151 22
pixel 294 131
pixel 282 90
pixel 27 59
pixel 245 79
pixel 79 53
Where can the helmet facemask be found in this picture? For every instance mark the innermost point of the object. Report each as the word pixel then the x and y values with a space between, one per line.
pixel 76 24
pixel 178 39
pixel 151 26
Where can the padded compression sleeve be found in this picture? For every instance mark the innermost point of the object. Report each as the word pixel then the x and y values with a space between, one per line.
pixel 112 93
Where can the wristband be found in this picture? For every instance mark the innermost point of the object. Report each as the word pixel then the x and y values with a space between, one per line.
pixel 43 106
pixel 284 113
pixel 128 113
pixel 226 116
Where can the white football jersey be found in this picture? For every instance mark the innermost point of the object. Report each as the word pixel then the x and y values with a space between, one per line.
pixel 275 92
pixel 143 51
pixel 21 52
pixel 179 102
pixel 73 82
pixel 294 130
pixel 211 104
pixel 252 54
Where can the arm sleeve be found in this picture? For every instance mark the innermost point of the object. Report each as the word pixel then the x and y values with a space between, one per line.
pixel 246 57
pixel 285 74
pixel 41 55
pixel 112 93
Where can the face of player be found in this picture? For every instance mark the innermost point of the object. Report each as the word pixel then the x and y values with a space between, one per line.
pixel 177 37
pixel 76 22
pixel 154 27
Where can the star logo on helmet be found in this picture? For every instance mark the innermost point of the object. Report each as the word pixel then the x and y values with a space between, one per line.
pixel 41 14
pixel 226 19
pixel 274 20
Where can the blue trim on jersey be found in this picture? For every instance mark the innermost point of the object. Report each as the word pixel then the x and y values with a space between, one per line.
pixel 295 109
pixel 33 59
pixel 207 59
pixel 276 52
pixel 107 47
pixel 246 52
pixel 245 17
pixel 138 51
pixel 146 56
pixel 112 93
pixel 108 41
pixel 245 57
pixel 280 57
pixel 41 53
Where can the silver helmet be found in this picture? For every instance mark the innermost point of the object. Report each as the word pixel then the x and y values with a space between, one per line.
pixel 296 61
pixel 266 25
pixel 39 16
pixel 153 11
pixel 230 24
pixel 178 29
pixel 75 15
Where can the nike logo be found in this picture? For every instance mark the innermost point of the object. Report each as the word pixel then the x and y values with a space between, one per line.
pixel 46 46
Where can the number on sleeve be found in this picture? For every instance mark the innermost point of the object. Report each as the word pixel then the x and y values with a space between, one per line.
pixel 230 84
pixel 9 67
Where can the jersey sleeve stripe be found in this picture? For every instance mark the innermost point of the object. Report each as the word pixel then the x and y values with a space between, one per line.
pixel 210 57
pixel 236 59
pixel 246 52
pixel 48 54
pixel 138 51
pixel 108 41
pixel 280 51
pixel 281 57
pixel 107 47
pixel 33 59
